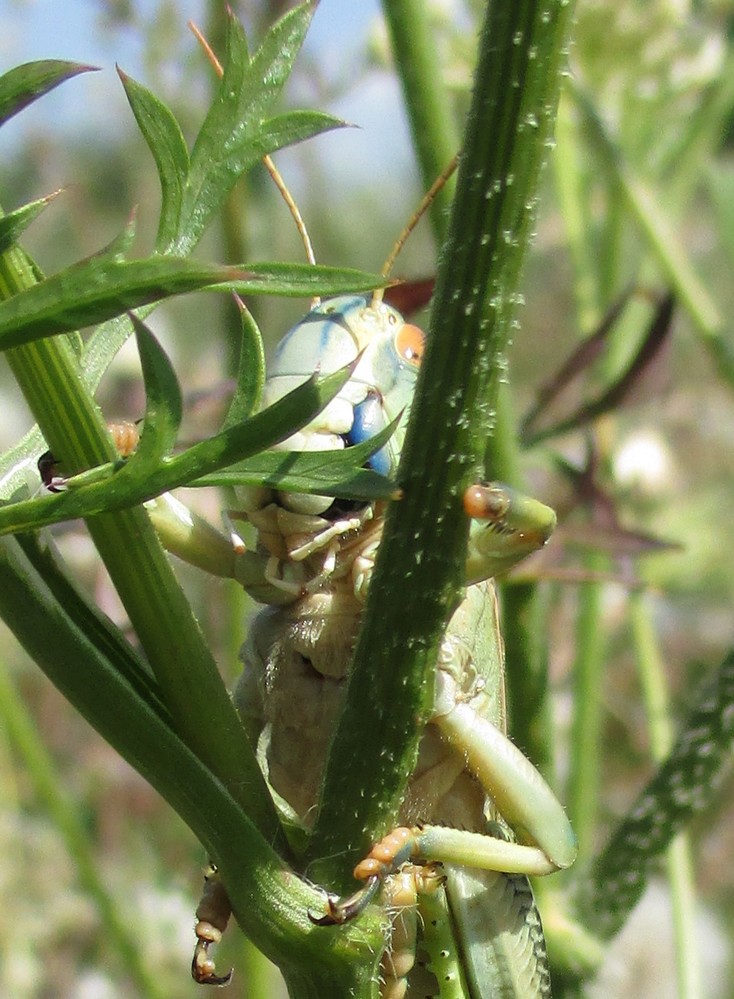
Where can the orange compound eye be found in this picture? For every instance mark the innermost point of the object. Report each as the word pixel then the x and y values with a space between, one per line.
pixel 410 343
pixel 485 502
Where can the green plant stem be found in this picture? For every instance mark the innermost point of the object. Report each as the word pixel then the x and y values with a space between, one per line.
pixel 595 275
pixel 652 678
pixel 682 881
pixel 523 628
pixel 523 623
pixel 568 172
pixel 64 813
pixel 417 579
pixel 585 749
pixel 432 121
pixel 48 374
pixel 678 855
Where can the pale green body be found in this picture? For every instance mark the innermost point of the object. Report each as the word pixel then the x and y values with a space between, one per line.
pixel 296 660
pixel 295 666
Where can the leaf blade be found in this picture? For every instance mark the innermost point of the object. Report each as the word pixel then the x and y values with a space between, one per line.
pixel 165 140
pixel 23 85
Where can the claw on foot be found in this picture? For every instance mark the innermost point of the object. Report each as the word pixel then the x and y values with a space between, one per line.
pixel 213 915
pixel 385 858
pixel 203 968
pixel 342 910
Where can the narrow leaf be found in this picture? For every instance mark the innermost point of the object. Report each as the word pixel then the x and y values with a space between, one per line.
pixel 128 485
pixel 326 473
pixel 294 126
pixel 275 57
pixel 97 289
pixel 15 223
pixel 164 138
pixel 291 471
pixel 24 84
pixel 250 371
pixel 301 280
pixel 208 188
pixel 235 134
pixel 163 405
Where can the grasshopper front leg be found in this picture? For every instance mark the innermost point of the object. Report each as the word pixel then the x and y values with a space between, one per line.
pixel 518 792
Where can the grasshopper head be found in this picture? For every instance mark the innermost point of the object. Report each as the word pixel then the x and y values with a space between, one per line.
pixel 508 526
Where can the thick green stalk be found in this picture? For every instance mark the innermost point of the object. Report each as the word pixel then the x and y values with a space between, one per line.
pixel 417 580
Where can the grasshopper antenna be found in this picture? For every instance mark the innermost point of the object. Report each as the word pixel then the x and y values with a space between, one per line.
pixel 267 161
pixel 413 221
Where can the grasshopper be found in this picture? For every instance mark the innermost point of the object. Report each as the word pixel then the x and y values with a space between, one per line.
pixel 492 819
pixel 312 565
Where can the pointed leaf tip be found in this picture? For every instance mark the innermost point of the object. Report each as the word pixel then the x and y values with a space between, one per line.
pixel 24 84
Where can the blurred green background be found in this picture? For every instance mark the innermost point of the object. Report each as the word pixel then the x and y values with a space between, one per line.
pixel 660 76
